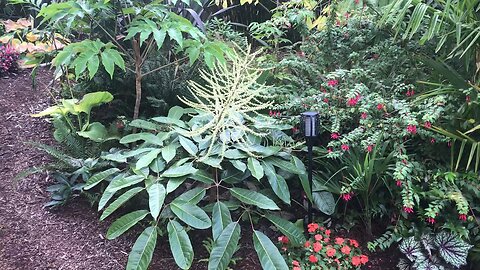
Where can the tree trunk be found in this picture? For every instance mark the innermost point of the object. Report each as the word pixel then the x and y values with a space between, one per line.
pixel 138 77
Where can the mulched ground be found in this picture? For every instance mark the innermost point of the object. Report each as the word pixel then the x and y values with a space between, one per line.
pixel 72 237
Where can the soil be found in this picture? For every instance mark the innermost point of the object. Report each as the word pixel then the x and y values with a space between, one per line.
pixel 71 237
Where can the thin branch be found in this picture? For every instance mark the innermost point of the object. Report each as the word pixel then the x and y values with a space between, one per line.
pixel 166 65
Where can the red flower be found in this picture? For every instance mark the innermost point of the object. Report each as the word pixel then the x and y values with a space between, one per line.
pixel 427 124
pixel 297 268
pixel 357 1
pixel 332 83
pixel 353 101
pixel 407 209
pixel 270 113
pixel 347 196
pixel 412 129
pixel 326 240
pixel 317 246
pixel 294 129
pixel 467 99
pixel 432 140
pixel 331 252
pixel 410 92
pixel 398 183
pixel 322 229
pixel 325 100
pixel 283 239
pixel 318 237
pixel 380 106
pixel 339 241
pixel 462 217
pixel 353 242
pixel 345 250
pixel 431 220
pixel 356 261
pixel 334 135
pixel 364 115
pixel 404 161
pixel 370 148
pixel 327 232
pixel 313 259
pixel 312 227
pixel 363 259
pixel 330 150
pixel 307 244
pixel 295 263
pixel 345 147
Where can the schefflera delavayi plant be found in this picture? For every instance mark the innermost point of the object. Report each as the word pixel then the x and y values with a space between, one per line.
pixel 211 166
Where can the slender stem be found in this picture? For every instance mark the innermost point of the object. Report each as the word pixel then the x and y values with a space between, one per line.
pixel 166 65
pixel 310 177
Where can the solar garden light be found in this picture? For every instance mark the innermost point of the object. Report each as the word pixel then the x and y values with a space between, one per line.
pixel 309 125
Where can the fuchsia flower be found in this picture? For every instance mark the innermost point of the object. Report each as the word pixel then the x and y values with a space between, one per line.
pixel 283 239
pixel 364 115
pixel 427 124
pixel 357 1
pixel 380 106
pixel 294 129
pixel 325 100
pixel 345 147
pixel 449 144
pixel 334 135
pixel 410 93
pixel 353 101
pixel 431 220
pixel 370 148
pixel 404 161
pixel 398 183
pixel 332 83
pixel 407 209
pixel 330 150
pixel 346 196
pixel 432 140
pixel 412 129
pixel 467 99
pixel 462 217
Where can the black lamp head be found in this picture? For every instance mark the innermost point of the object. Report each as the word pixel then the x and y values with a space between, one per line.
pixel 310 124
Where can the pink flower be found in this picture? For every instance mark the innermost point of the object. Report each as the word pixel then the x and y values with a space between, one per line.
pixel 312 259
pixel 398 183
pixel 339 241
pixel 380 106
pixel 410 92
pixel 283 239
pixel 462 217
pixel 294 129
pixel 449 144
pixel 412 129
pixel 407 209
pixel 467 99
pixel 432 140
pixel 317 247
pixel 357 1
pixel 325 100
pixel 404 161
pixel 329 150
pixel 270 113
pixel 345 147
pixel 312 227
pixel 364 115
pixel 334 135
pixel 353 101
pixel 427 124
pixel 331 252
pixel 370 148
pixel 431 220
pixel 318 237
pixel 346 250
pixel 346 196
pixel 332 83
pixel 297 268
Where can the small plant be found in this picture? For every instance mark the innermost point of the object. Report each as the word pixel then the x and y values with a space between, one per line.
pixel 322 251
pixel 434 251
pixel 8 59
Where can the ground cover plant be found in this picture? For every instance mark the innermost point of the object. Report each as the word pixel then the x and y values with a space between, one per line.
pixel 221 158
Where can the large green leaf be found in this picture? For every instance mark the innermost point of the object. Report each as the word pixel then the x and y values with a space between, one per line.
pixel 324 201
pixel 142 251
pixel 178 171
pixel 120 201
pixel 289 229
pixel 202 176
pixel 220 218
pixel 188 145
pixel 124 223
pixel 146 159
pixel 255 168
pixel 169 152
pixel 98 177
pixel 270 257
pixel 192 196
pixel 174 183
pixel 254 198
pixel 124 182
pixel 156 197
pixel 278 183
pixel 96 132
pixel 143 136
pixel 191 214
pixel 91 100
pixel 180 245
pixel 224 247
pixel 284 165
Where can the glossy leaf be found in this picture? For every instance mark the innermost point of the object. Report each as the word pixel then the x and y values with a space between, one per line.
pixel 147 159
pixel 220 218
pixel 254 198
pixel 294 234
pixel 98 177
pixel 156 197
pixel 324 201
pixel 277 182
pixel 142 251
pixel 120 201
pixel 191 215
pixel 124 223
pixel 255 168
pixel 179 171
pixel 270 257
pixel 180 245
pixel 224 247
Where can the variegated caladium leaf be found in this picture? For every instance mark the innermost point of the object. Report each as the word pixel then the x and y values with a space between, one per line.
pixel 432 263
pixel 411 248
pixel 452 249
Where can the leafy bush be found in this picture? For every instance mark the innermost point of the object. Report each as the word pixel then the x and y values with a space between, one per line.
pixel 8 59
pixel 220 156
pixel 323 251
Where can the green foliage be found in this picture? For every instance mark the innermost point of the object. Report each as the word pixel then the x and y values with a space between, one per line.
pixel 434 251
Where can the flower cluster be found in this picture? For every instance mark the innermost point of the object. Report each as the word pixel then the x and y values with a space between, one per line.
pixel 323 251
pixel 8 59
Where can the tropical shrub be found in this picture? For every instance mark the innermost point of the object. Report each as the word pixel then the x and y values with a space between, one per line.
pixel 219 156
pixel 323 251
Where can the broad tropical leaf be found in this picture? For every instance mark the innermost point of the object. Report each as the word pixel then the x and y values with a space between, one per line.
pixel 324 201
pixel 120 201
pixel 269 256
pixel 180 245
pixel 156 197
pixel 124 223
pixel 254 198
pixel 220 218
pixel 278 183
pixel 255 168
pixel 142 251
pixel 191 215
pixel 224 247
